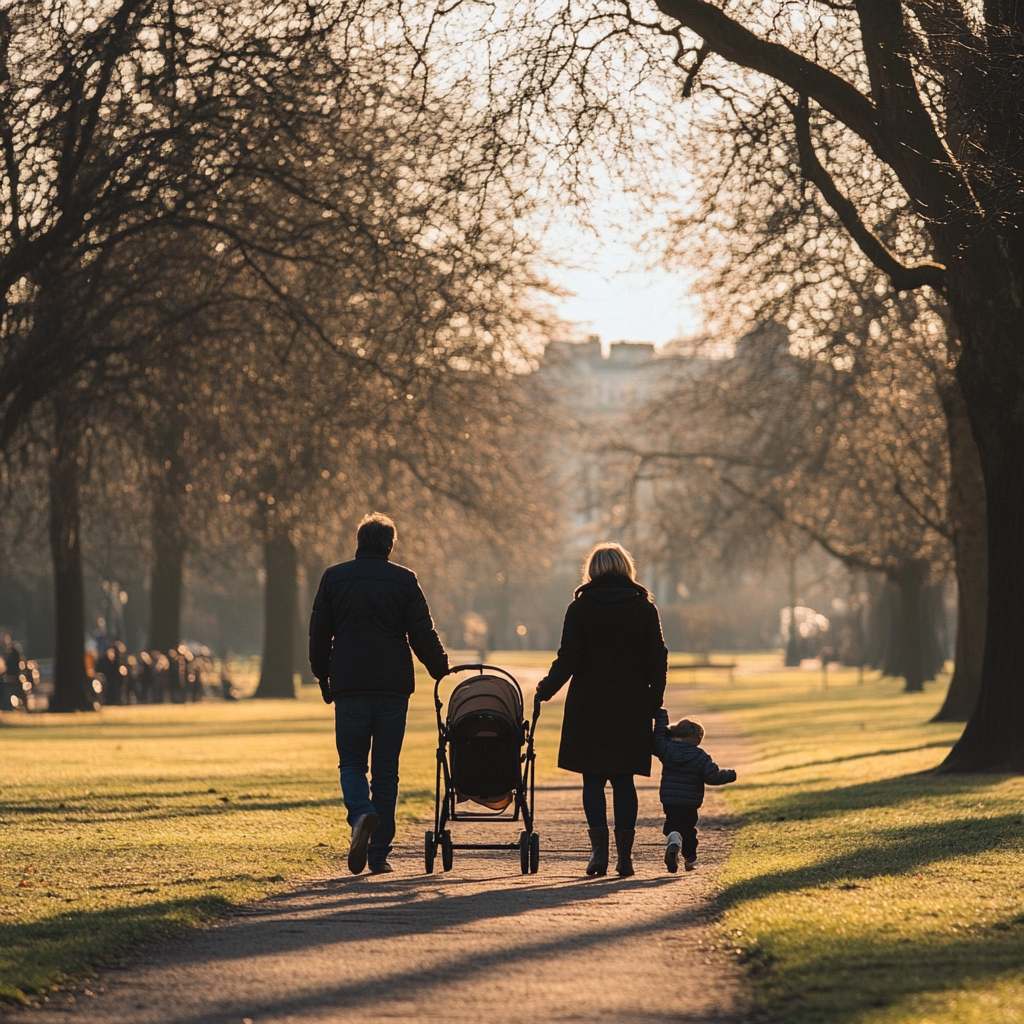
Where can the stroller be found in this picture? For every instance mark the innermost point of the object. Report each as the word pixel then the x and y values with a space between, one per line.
pixel 479 760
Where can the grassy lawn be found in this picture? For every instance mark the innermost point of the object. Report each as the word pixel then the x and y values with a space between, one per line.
pixel 120 827
pixel 863 889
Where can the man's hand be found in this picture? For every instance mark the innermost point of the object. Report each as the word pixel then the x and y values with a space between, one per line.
pixel 325 691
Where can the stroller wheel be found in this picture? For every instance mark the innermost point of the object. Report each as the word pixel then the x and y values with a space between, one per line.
pixel 446 850
pixel 534 853
pixel 524 852
pixel 429 852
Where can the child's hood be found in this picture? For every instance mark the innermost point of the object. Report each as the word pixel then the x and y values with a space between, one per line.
pixel 685 755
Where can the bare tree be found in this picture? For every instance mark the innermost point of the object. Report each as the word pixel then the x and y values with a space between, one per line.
pixel 918 97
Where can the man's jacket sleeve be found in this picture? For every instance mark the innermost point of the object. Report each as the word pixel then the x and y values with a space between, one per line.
pixel 423 638
pixel 321 636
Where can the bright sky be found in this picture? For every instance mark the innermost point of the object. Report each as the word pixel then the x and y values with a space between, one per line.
pixel 616 295
pixel 628 305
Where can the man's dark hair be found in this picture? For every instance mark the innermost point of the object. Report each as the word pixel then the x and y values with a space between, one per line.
pixel 377 533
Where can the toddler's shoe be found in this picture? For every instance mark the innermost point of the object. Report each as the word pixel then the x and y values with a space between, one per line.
pixel 690 865
pixel 675 842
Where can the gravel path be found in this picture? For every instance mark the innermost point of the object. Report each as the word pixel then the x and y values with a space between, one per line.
pixel 483 943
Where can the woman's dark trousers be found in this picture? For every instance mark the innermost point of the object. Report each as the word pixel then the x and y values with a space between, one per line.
pixel 684 821
pixel 624 802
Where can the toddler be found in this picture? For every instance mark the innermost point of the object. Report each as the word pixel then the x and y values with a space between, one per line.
pixel 685 770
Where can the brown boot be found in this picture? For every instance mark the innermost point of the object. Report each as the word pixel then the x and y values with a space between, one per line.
pixel 599 851
pixel 624 848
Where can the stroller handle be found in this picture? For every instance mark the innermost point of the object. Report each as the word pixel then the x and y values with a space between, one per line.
pixel 480 666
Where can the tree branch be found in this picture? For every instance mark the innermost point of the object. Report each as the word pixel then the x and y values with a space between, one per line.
pixel 915 151
pixel 903 278
pixel 738 44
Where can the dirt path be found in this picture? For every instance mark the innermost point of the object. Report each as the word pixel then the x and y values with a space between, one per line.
pixel 483 943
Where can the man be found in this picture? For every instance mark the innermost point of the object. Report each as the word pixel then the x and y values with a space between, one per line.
pixel 366 614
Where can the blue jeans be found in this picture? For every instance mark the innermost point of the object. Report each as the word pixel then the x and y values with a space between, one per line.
pixel 362 720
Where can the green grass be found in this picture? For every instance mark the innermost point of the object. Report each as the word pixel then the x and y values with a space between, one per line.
pixel 121 827
pixel 862 888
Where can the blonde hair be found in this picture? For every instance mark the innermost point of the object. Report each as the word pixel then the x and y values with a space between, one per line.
pixel 609 560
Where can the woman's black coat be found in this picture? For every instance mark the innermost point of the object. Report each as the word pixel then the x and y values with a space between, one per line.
pixel 613 649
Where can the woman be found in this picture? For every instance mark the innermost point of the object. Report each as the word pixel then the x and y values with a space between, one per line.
pixel 613 650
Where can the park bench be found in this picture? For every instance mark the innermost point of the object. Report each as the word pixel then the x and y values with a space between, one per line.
pixel 704 664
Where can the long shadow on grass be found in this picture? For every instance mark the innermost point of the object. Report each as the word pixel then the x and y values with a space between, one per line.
pixel 126 809
pixel 842 979
pixel 946 744
pixel 40 954
pixel 903 789
pixel 891 851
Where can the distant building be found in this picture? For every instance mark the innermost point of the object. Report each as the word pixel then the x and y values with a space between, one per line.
pixel 604 397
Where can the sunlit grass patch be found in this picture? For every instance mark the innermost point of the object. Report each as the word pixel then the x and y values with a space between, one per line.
pixel 863 888
pixel 119 827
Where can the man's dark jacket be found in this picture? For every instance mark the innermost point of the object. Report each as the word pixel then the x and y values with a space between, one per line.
pixel 685 767
pixel 366 614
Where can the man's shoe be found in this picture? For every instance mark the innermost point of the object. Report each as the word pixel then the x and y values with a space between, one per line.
pixel 361 832
pixel 381 868
pixel 675 843
pixel 690 865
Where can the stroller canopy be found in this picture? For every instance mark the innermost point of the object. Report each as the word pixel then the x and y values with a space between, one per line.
pixel 486 695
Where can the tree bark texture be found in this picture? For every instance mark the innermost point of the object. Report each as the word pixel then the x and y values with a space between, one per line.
pixel 71 686
pixel 279 600
pixel 967 511
pixel 991 376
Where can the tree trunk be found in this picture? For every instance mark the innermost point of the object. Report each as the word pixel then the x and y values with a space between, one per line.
pixel 934 608
pixel 300 629
pixel 985 301
pixel 165 585
pixel 793 644
pixel 877 639
pixel 910 577
pixel 891 613
pixel 71 686
pixel 279 599
pixel 970 542
pixel 167 490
